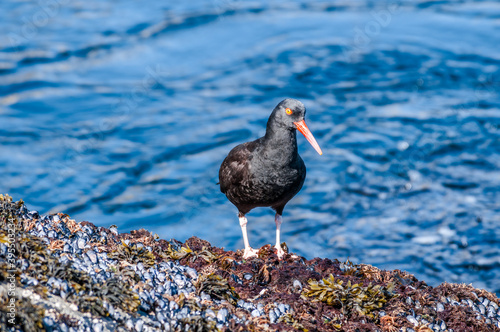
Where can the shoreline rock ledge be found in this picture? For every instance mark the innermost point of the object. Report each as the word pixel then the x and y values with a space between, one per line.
pixel 61 275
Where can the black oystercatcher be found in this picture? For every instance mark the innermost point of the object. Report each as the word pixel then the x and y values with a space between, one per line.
pixel 269 170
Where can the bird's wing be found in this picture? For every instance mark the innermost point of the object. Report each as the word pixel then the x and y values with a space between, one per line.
pixel 235 169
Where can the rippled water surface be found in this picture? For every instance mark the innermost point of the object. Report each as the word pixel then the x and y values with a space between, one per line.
pixel 121 112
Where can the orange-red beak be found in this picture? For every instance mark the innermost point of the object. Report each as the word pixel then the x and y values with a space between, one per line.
pixel 302 127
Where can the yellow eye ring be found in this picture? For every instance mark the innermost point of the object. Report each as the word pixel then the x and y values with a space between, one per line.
pixel 288 111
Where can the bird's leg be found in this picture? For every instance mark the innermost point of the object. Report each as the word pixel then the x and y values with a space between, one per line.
pixel 249 252
pixel 278 220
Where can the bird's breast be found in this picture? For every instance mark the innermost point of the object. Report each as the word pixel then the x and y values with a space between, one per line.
pixel 277 181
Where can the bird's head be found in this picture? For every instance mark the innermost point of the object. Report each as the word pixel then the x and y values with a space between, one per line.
pixel 290 114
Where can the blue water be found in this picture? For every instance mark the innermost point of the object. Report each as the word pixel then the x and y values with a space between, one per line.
pixel 120 112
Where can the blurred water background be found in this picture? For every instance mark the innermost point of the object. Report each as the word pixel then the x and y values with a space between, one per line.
pixel 120 112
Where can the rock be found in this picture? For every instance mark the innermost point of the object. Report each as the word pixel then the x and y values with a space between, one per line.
pixel 169 292
pixel 297 285
pixel 222 315
pixel 139 325
pixel 272 316
pixel 412 320
pixel 92 256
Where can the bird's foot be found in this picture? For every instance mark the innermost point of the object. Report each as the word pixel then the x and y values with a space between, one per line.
pixel 249 253
pixel 279 251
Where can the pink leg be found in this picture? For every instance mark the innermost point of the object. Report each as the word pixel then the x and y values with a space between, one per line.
pixel 249 252
pixel 278 220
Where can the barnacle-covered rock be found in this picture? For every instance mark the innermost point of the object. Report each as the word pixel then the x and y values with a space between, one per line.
pixel 19 312
pixel 72 275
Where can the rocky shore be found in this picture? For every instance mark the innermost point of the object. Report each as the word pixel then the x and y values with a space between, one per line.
pixel 61 275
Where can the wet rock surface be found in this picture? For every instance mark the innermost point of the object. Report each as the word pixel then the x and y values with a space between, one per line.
pixel 71 276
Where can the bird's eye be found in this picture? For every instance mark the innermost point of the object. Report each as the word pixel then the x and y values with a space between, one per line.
pixel 288 111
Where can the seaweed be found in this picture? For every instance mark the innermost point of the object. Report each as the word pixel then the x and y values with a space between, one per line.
pixel 207 255
pixel 345 300
pixel 225 262
pixel 288 318
pixel 197 324
pixel 28 317
pixel 218 287
pixel 363 271
pixel 264 275
pixel 133 254
pixel 351 298
pixel 183 252
pixel 9 209
pixel 114 291
pixel 91 304
pixel 37 262
pixel 186 251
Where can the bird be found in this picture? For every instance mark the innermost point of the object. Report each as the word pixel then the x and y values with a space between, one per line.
pixel 268 172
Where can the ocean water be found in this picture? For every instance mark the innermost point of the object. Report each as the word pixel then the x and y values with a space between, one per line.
pixel 120 112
